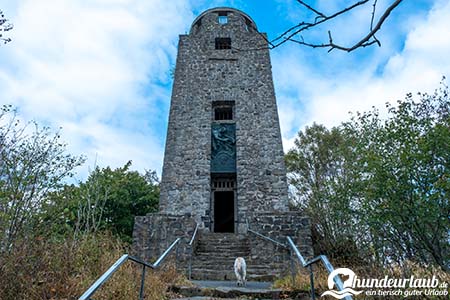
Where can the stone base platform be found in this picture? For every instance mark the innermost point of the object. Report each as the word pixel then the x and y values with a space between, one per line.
pixel 155 232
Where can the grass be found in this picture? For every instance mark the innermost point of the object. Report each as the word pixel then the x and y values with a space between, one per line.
pixel 51 269
pixel 40 269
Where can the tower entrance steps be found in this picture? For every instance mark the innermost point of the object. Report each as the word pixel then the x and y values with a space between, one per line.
pixel 214 255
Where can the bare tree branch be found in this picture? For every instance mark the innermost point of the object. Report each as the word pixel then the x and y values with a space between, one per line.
pixel 312 9
pixel 377 27
pixel 4 27
pixel 294 33
pixel 371 21
pixel 304 26
pixel 369 39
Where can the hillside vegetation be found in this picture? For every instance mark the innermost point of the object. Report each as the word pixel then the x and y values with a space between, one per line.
pixel 376 188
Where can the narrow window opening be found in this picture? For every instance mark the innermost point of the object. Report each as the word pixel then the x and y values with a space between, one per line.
pixel 223 43
pixel 223 113
pixel 248 24
pixel 223 18
pixel 223 110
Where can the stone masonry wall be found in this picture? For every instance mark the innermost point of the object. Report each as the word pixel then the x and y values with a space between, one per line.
pixel 153 234
pixel 279 226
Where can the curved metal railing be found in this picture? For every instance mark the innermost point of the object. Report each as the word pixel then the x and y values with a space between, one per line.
pixel 191 246
pixel 97 284
pixel 265 237
pixel 304 263
pixel 309 263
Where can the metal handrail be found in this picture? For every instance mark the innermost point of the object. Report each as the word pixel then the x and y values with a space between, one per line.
pixel 105 276
pixel 193 235
pixel 267 238
pixel 285 247
pixel 309 264
pixel 191 243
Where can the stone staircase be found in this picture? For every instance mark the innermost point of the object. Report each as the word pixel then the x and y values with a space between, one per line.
pixel 215 253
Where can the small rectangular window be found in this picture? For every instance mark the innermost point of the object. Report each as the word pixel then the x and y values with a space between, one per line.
pixel 223 18
pixel 223 110
pixel 223 43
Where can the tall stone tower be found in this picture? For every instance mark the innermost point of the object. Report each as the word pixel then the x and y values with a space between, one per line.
pixel 224 154
pixel 223 165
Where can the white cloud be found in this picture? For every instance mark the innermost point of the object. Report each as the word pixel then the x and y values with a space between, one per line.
pixel 100 69
pixel 96 68
pixel 328 94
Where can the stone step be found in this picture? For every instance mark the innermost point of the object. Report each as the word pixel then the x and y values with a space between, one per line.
pixel 217 290
pixel 215 254
pixel 229 274
pixel 224 245
pixel 230 258
pixel 220 239
pixel 242 239
pixel 209 290
pixel 215 274
pixel 211 247
pixel 204 272
pixel 216 260
pixel 216 248
pixel 228 254
pixel 223 241
pixel 253 269
pixel 227 245
pixel 205 298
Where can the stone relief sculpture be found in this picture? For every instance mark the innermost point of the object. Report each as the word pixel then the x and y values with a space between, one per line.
pixel 223 140
pixel 223 146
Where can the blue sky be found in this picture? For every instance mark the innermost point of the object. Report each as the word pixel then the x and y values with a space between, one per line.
pixel 100 69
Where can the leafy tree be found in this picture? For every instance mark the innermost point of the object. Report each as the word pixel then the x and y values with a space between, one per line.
pixel 405 168
pixel 321 177
pixel 381 183
pixel 109 199
pixel 33 162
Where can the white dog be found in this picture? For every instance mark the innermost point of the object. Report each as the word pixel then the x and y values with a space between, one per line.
pixel 240 269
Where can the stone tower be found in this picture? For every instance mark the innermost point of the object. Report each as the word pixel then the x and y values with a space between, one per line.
pixel 223 165
pixel 224 154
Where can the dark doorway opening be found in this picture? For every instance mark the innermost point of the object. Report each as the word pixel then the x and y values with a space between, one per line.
pixel 224 211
